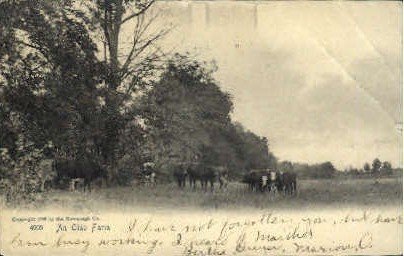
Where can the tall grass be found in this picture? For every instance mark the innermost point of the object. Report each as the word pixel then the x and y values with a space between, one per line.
pixel 311 193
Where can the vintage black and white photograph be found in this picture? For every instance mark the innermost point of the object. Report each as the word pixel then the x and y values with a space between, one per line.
pixel 144 127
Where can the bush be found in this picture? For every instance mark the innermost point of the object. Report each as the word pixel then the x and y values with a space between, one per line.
pixel 21 177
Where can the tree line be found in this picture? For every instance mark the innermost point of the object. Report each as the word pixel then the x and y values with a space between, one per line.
pixel 326 170
pixel 376 169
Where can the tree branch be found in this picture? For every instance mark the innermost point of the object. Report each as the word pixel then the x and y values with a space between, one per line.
pixel 137 49
pixel 30 45
pixel 136 38
pixel 138 13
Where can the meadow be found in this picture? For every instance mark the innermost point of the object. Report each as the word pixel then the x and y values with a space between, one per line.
pixel 322 194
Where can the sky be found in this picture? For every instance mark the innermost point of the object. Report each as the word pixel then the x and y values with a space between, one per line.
pixel 321 80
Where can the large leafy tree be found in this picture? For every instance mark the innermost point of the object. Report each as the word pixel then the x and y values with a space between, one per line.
pixel 185 112
pixel 376 165
pixel 251 149
pixel 366 167
pixel 187 117
pixel 130 64
pixel 54 79
pixel 386 168
pixel 49 93
pixel 49 74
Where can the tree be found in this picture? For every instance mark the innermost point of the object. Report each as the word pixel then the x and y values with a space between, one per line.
pixel 327 170
pixel 376 164
pixel 324 170
pixel 354 171
pixel 366 167
pixel 57 84
pixel 253 150
pixel 185 113
pixel 128 71
pixel 187 119
pixel 386 168
pixel 8 134
pixel 286 166
pixel 49 75
pixel 386 165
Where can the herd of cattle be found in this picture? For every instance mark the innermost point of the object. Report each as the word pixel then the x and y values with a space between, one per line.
pixel 86 172
pixel 271 181
pixel 257 180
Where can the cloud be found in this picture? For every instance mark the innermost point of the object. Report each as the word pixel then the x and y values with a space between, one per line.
pixel 381 84
pixel 321 80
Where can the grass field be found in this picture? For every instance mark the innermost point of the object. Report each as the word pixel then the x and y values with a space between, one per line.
pixel 311 193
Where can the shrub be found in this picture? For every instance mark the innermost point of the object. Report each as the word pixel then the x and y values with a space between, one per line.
pixel 21 177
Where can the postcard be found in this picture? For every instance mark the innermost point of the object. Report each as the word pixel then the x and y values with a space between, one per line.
pixel 142 127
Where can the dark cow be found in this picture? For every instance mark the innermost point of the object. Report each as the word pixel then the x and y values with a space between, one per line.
pixel 85 169
pixel 279 181
pixel 250 179
pixel 288 183
pixel 257 180
pixel 180 175
pixel 205 174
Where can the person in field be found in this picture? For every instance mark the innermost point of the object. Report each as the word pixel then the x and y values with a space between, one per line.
pixel 223 177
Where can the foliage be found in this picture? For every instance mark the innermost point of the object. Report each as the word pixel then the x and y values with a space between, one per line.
pixel 187 117
pixel 376 165
pixel 53 77
pixel 56 86
pixel 324 170
pixel 49 75
pixel 21 177
pixel 366 167
pixel 386 168
pixel 285 166
pixel 129 69
pixel 182 111
pixel 252 150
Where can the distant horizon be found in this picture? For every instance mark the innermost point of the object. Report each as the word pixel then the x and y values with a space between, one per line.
pixel 346 168
pixel 338 169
